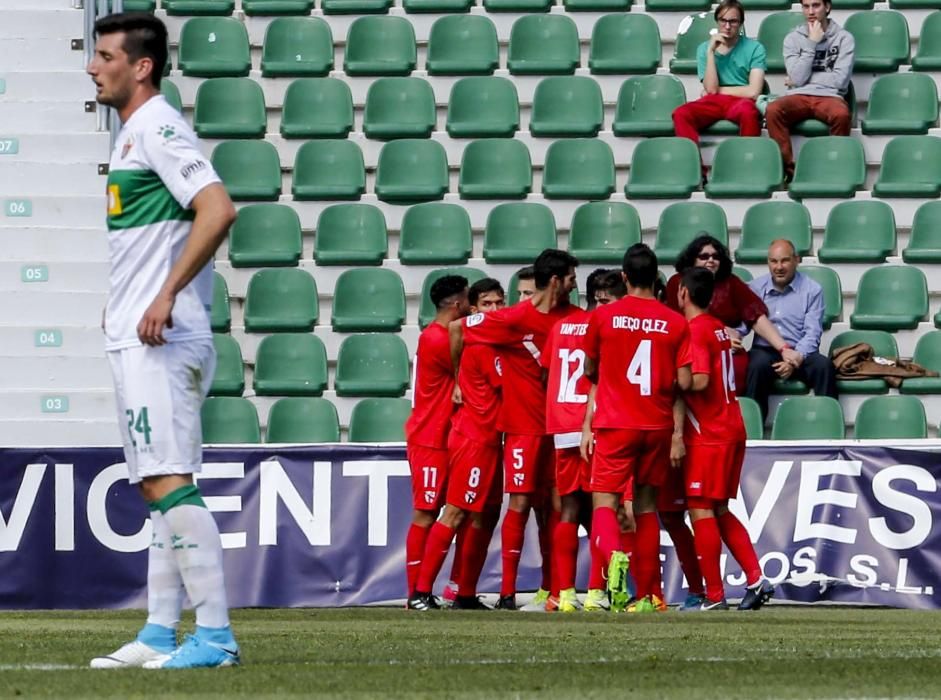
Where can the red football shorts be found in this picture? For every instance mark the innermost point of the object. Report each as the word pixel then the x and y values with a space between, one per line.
pixel 713 470
pixel 622 453
pixel 671 496
pixel 473 470
pixel 528 464
pixel 572 473
pixel 429 469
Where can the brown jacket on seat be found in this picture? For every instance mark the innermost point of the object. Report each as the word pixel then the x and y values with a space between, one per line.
pixel 858 361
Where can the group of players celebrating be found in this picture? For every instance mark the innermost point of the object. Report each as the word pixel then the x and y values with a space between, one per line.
pixel 616 418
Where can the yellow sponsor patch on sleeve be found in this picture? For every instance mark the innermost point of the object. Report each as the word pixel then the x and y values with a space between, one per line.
pixel 114 200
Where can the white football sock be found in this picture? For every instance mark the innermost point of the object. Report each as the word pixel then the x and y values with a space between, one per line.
pixel 164 585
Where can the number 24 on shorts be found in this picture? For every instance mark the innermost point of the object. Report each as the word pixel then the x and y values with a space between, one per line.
pixel 140 425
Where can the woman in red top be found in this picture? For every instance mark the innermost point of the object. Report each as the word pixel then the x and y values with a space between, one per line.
pixel 733 302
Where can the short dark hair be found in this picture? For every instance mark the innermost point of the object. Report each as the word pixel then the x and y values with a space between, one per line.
pixel 700 283
pixel 591 284
pixel 446 287
pixel 612 282
pixel 145 36
pixel 640 266
pixel 526 273
pixel 730 5
pixel 552 262
pixel 687 258
pixel 484 286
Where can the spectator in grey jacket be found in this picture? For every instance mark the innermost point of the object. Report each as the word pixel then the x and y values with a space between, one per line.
pixel 819 58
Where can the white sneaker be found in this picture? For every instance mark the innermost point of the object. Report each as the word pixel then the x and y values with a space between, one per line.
pixel 538 603
pixel 132 655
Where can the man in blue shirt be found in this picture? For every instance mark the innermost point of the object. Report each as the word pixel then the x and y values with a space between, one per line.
pixel 795 307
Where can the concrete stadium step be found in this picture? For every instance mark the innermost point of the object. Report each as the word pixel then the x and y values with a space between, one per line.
pixel 57 373
pixel 62 178
pixel 86 148
pixel 47 117
pixel 47 86
pixel 59 432
pixel 42 54
pixel 92 405
pixel 49 244
pixel 39 212
pixel 63 276
pixel 33 341
pixel 36 5
pixel 32 308
pixel 41 23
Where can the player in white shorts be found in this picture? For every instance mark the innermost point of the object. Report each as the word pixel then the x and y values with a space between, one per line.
pixel 167 214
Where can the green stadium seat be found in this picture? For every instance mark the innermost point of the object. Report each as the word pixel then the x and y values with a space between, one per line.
pixel 379 420
pixel 890 298
pixel 665 167
pixel 808 418
pixel 172 94
pixel 910 168
pixel 368 299
pixel 681 222
pixel 412 170
pixel 265 235
pixel 399 108
pixel 829 166
pixel 624 42
pixel 928 355
pixel 317 108
pixel 220 318
pixel 262 8
pixel 768 221
pixel 426 310
pixel 853 4
pixel 372 364
pixel 351 234
pixel 356 7
pixel 463 45
pixel 882 42
pixel 329 169
pixel 883 345
pixel 229 377
pixel 495 169
pixel 815 127
pixel 891 418
pixel 297 47
pixel 230 108
pixel 902 103
pixel 645 105
pixel 566 105
pixel 481 107
pixel 303 419
pixel 517 232
pixel 435 233
pixel 602 231
pixel 435 6
pixel 543 44
pixel 517 5
pixel 676 5
pixel 693 30
pixel 380 46
pixel 250 170
pixel 214 47
pixel 597 5
pixel 745 167
pixel 771 32
pixel 578 169
pixel 751 415
pixel 229 420
pixel 743 273
pixel 198 7
pixel 858 231
pixel 924 242
pixel 138 5
pixel 290 364
pixel 928 56
pixel 281 300
pixel 827 278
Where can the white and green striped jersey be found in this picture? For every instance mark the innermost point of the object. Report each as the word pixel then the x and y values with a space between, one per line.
pixel 155 172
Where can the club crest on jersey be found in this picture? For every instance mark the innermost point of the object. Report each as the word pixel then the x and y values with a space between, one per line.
pixel 475 320
pixel 470 496
pixel 497 365
pixel 128 145
pixel 167 132
pixel 429 496
pixel 518 479
pixel 114 200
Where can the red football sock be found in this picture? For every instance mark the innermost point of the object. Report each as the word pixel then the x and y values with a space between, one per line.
pixel 708 549
pixel 546 541
pixel 476 543
pixel 685 551
pixel 459 543
pixel 436 550
pixel 512 534
pixel 565 551
pixel 414 551
pixel 597 571
pixel 646 562
pixel 627 542
pixel 605 532
pixel 737 540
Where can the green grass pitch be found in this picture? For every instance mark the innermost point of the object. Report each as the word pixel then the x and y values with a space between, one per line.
pixel 779 652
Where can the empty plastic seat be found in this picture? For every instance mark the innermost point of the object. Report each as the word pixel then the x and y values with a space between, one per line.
pixel 412 170
pixel 890 298
pixel 681 222
pixel 517 5
pixel 745 166
pixel 380 46
pixel 265 235
pixel 902 103
pixel 254 8
pixel 297 47
pixel 665 167
pixel 891 418
pixel 624 42
pixel 751 415
pixel 645 105
pixel 198 7
pixel 317 108
pixel 462 45
pixel 303 419
pixel 351 234
pixel 768 221
pixel 928 355
pixel 924 242
pixel 483 107
pixel 399 108
pixel 910 168
pixel 250 170
pixel 858 232
pixel 928 56
pixel 543 44
pixel 829 166
pixel 567 105
pixel 281 300
pixel 138 5
pixel 172 94
pixel 229 420
pixel 372 364
pixel 426 310
pixel 379 420
pixel 693 30
pixel 518 232
pixel 882 43
pixel 602 231
pixel 495 169
pixel 220 317
pixel 434 6
pixel 883 345
pixel 578 169
pixel 743 273
pixel 355 7
pixel 368 299
pixel 771 32
pixel 435 233
pixel 290 364
pixel 229 377
pixel 808 418
pixel 212 47
pixel 827 278
pixel 230 108
pixel 853 4
pixel 329 169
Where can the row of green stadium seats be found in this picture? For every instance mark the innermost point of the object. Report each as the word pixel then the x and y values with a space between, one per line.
pixel 821 418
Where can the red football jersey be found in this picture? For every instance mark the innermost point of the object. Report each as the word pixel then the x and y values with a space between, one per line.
pixel 431 390
pixel 712 415
pixel 479 380
pixel 638 345
pixel 519 333
pixel 568 387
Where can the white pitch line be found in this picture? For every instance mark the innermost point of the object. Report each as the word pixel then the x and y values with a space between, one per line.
pixel 38 667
